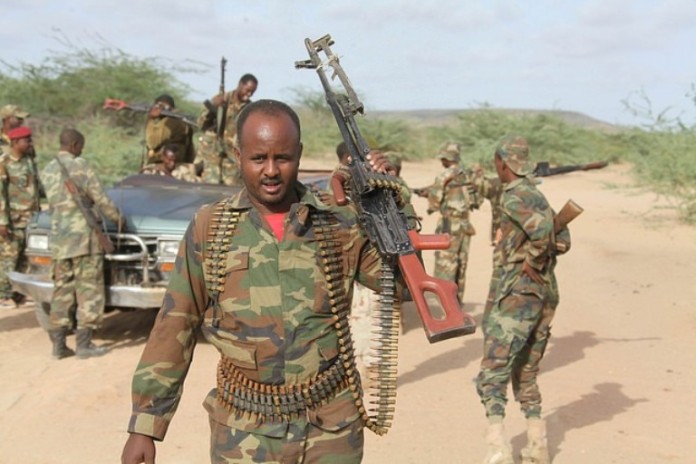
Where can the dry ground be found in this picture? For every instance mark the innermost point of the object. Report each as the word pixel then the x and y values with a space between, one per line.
pixel 617 380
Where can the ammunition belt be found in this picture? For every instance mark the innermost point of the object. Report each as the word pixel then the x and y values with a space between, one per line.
pixel 223 224
pixel 270 402
pixel 267 402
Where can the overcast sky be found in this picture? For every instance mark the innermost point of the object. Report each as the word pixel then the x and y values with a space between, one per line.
pixel 581 55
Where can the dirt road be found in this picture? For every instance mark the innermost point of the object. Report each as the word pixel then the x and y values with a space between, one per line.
pixel 617 381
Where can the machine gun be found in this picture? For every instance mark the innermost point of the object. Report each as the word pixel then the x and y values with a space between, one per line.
pixel 117 105
pixel 385 225
pixel 543 169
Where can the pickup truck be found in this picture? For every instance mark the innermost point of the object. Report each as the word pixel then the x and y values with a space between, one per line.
pixel 158 210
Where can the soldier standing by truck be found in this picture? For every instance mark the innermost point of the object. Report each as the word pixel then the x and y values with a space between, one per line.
pixel 77 246
pixel 12 116
pixel 19 200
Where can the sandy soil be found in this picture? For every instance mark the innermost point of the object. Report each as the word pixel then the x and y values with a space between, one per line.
pixel 617 382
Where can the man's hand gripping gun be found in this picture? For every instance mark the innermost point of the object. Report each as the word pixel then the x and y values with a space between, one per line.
pixel 385 225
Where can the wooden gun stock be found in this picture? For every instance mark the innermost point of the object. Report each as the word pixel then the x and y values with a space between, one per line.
pixel 455 322
pixel 103 239
pixel 570 211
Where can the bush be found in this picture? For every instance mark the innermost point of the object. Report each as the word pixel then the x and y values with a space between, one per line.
pixel 69 88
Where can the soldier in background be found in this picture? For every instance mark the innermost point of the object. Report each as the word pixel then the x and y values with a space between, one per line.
pixel 517 327
pixel 19 200
pixel 161 130
pixel 453 196
pixel 78 257
pixel 12 116
pixel 171 168
pixel 215 155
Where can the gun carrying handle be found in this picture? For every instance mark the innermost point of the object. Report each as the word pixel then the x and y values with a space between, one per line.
pixel 455 322
pixel 429 241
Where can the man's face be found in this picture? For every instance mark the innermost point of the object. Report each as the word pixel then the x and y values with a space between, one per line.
pixel 12 122
pixel 77 147
pixel 23 146
pixel 245 90
pixel 269 159
pixel 446 163
pixel 169 160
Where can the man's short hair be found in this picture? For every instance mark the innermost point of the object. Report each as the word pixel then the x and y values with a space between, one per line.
pixel 166 98
pixel 342 151
pixel 248 77
pixel 269 108
pixel 70 135
pixel 172 147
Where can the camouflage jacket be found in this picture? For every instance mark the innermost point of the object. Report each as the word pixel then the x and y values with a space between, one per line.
pixel 449 193
pixel 276 324
pixel 71 236
pixel 167 130
pixel 206 120
pixel 19 192
pixel 527 236
pixel 182 171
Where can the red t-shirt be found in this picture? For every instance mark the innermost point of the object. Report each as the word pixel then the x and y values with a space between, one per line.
pixel 277 223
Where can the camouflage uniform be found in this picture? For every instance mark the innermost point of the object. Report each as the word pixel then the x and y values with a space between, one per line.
pixel 450 196
pixel 78 261
pixel 517 327
pixel 274 325
pixel 217 168
pixel 166 130
pixel 19 200
pixel 182 171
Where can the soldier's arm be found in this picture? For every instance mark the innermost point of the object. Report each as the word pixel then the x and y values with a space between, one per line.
pixel 533 215
pixel 96 192
pixel 436 192
pixel 159 378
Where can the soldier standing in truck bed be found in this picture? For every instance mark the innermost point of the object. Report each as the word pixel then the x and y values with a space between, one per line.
pixel 162 130
pixel 217 156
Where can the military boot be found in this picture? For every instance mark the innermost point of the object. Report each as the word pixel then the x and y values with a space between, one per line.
pixel 85 347
pixel 537 450
pixel 498 447
pixel 60 349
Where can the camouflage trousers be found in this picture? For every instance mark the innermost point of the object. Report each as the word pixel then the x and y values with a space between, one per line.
pixel 516 331
pixel 495 280
pixel 451 264
pixel 78 281
pixel 12 258
pixel 303 443
pixel 217 169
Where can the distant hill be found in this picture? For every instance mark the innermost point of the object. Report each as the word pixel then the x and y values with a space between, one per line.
pixel 441 117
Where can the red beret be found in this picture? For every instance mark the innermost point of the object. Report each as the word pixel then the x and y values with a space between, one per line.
pixel 19 133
